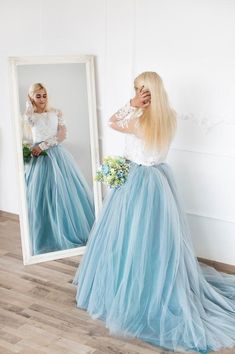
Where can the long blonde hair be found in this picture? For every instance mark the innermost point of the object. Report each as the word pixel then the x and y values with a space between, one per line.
pixel 34 88
pixel 158 121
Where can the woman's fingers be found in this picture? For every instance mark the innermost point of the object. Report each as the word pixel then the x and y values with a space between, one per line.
pixel 146 98
pixel 145 93
pixel 146 104
pixel 36 151
pixel 143 97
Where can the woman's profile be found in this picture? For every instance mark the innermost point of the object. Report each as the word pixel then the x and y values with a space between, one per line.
pixel 60 203
pixel 139 273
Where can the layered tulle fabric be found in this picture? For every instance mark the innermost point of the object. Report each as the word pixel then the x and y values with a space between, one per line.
pixel 140 274
pixel 60 204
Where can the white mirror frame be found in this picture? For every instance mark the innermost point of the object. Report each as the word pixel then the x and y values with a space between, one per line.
pixel 88 60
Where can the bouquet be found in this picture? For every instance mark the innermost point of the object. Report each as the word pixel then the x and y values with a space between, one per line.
pixel 27 153
pixel 113 171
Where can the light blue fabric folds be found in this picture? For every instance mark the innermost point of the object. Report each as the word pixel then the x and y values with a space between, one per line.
pixel 60 204
pixel 140 274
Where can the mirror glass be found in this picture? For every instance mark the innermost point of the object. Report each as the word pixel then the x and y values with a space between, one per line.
pixel 55 135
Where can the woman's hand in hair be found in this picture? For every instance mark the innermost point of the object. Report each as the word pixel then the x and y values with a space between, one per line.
pixel 142 98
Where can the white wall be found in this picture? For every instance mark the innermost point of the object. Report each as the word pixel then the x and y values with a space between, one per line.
pixel 190 44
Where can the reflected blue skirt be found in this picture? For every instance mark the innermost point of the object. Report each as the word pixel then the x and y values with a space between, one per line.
pixel 140 273
pixel 60 205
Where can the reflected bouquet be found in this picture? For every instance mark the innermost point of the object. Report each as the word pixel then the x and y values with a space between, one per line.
pixel 113 171
pixel 27 153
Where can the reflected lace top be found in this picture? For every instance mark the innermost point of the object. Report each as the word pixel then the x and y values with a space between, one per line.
pixel 44 127
pixel 134 146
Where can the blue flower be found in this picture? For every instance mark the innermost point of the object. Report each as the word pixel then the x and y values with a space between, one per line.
pixel 120 174
pixel 105 169
pixel 113 171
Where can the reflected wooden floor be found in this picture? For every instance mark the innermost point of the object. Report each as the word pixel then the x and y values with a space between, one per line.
pixel 38 311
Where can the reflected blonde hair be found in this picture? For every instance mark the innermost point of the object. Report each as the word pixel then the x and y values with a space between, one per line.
pixel 33 89
pixel 158 122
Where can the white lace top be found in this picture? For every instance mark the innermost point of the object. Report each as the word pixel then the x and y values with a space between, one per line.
pixel 44 128
pixel 134 146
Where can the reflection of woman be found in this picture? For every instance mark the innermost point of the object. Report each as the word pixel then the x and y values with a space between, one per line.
pixel 60 204
pixel 139 272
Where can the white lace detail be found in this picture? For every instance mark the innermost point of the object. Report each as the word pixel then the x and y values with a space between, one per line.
pixel 48 143
pixel 134 146
pixel 61 120
pixel 45 128
pixel 124 114
pixel 135 151
pixel 29 118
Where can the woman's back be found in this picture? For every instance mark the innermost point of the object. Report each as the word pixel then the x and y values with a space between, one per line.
pixel 127 120
pixel 136 152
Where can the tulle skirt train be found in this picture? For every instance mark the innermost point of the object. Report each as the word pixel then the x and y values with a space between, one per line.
pixel 140 274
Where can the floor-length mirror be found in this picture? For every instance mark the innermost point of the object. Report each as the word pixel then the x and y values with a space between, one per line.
pixel 54 114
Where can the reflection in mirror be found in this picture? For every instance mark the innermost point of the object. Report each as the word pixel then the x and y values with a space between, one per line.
pixel 57 155
pixel 60 205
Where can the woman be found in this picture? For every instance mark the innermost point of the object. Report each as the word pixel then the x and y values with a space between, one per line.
pixel 60 205
pixel 139 273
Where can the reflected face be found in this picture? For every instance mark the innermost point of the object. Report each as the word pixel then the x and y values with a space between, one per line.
pixel 40 99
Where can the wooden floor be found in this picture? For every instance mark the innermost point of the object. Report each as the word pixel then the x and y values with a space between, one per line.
pixel 38 311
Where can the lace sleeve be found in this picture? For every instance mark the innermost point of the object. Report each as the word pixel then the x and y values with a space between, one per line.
pixel 122 116
pixel 126 120
pixel 59 137
pixel 61 121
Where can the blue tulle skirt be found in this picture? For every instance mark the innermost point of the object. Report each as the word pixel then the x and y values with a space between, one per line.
pixel 60 204
pixel 140 273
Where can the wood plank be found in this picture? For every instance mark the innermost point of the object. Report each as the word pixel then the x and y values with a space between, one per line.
pixel 38 308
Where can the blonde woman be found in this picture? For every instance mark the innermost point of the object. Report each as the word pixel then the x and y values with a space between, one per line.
pixel 140 273
pixel 60 204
